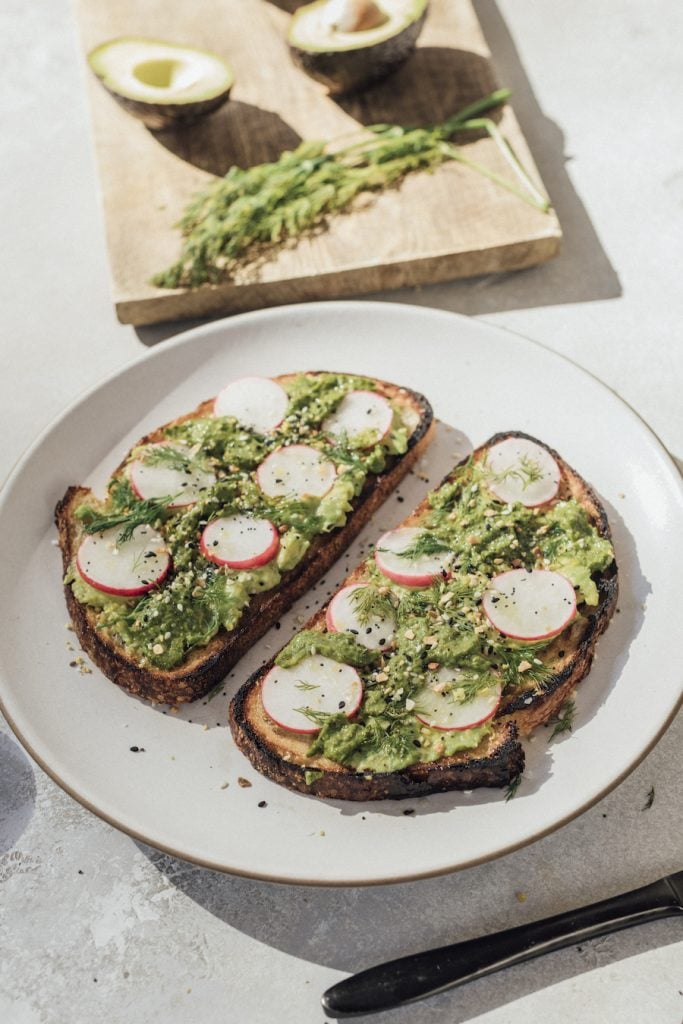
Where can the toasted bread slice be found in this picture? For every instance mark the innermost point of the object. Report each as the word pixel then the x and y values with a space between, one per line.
pixel 204 667
pixel 499 758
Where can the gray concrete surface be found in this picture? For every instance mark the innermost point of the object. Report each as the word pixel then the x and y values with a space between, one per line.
pixel 94 926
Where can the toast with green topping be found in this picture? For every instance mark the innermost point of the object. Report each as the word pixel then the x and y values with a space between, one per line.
pixel 468 627
pixel 215 523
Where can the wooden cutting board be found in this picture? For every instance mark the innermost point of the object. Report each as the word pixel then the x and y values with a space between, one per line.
pixel 434 227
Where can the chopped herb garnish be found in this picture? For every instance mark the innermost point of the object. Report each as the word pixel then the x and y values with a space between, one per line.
pixel 512 787
pixel 142 513
pixel 564 719
pixel 303 685
pixel 425 544
pixel 189 460
pixel 369 603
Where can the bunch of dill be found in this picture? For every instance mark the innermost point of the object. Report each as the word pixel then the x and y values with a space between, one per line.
pixel 255 209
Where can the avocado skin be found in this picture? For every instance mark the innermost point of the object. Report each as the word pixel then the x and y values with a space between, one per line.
pixel 344 71
pixel 159 116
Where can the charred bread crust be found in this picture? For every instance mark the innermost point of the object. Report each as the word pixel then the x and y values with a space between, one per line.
pixel 494 763
pixel 281 756
pixel 207 666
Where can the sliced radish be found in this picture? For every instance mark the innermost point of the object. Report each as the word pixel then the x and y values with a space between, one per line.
pixel 439 707
pixel 316 683
pixel 298 470
pixel 126 569
pixel 521 470
pixel 342 617
pixel 530 604
pixel 240 542
pixel 257 402
pixel 156 481
pixel 409 571
pixel 360 412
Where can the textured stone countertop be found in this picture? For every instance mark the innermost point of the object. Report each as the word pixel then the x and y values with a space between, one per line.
pixel 95 926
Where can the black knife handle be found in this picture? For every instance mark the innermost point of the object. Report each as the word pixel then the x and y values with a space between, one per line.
pixel 413 977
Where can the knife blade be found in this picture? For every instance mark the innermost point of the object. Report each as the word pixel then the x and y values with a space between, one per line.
pixel 413 977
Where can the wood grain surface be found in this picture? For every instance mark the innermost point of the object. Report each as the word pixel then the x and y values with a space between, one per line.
pixel 433 227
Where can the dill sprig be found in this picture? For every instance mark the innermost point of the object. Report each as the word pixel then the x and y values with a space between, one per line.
pixel 564 720
pixel 317 717
pixel 176 458
pixel 425 544
pixel 369 603
pixel 526 470
pixel 254 210
pixel 143 513
pixel 303 685
pixel 512 787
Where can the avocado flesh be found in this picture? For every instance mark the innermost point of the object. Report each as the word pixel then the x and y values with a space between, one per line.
pixel 161 83
pixel 346 61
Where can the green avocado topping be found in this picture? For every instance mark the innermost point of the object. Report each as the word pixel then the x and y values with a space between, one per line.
pixel 444 626
pixel 199 598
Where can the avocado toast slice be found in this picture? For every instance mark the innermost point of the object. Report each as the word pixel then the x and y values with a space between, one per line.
pixel 166 620
pixel 466 640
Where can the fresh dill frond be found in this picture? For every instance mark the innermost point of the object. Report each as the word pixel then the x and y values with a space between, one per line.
pixel 512 787
pixel 425 544
pixel 317 717
pixel 564 719
pixel 303 685
pixel 253 211
pixel 175 458
pixel 142 513
pixel 368 603
pixel 526 470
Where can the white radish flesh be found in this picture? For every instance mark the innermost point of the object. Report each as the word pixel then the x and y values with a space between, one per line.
pixel 440 706
pixel 256 402
pixel 126 569
pixel 361 412
pixel 150 480
pixel 530 605
pixel 240 542
pixel 342 617
pixel 521 470
pixel 297 471
pixel 317 684
pixel 420 571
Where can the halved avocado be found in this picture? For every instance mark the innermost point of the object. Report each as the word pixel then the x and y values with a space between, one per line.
pixel 161 83
pixel 346 44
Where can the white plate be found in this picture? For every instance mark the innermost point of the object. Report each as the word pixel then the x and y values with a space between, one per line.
pixel 80 727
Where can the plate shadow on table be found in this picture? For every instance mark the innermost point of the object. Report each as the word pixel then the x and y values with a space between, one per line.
pixel 17 792
pixel 581 273
pixel 321 925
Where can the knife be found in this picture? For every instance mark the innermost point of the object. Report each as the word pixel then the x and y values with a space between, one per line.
pixel 412 977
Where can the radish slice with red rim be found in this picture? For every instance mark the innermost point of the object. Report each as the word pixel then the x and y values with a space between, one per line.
pixel 296 471
pixel 158 479
pixel 256 402
pixel 533 604
pixel 521 470
pixel 317 684
pixel 377 633
pixel 361 412
pixel 126 569
pixel 394 562
pixel 240 542
pixel 440 706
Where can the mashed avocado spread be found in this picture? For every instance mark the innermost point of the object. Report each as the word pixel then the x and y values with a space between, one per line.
pixel 443 625
pixel 199 598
